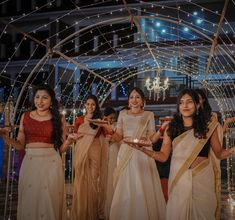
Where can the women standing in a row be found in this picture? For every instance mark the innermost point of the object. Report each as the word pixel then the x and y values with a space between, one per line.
pixel 90 164
pixel 138 194
pixel 41 181
pixel 193 139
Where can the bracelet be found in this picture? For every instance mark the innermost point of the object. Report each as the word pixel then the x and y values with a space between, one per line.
pixel 112 132
pixel 69 141
pixel 147 152
pixel 152 155
pixel 161 130
pixel 231 150
pixel 142 149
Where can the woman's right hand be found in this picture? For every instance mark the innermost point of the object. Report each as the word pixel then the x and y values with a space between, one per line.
pixel 74 136
pixel 108 129
pixel 4 131
pixel 227 122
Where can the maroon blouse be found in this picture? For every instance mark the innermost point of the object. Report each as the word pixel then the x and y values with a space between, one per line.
pixel 37 131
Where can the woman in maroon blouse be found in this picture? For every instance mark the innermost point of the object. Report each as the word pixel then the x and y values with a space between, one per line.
pixel 41 181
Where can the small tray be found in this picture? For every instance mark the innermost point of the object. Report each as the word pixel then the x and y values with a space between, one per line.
pixel 143 143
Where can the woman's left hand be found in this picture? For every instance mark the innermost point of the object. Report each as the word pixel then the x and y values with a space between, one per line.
pixel 74 136
pixel 232 150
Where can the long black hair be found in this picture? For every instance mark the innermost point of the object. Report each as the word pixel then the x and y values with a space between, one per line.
pixel 56 137
pixel 176 127
pixel 109 110
pixel 97 112
pixel 206 108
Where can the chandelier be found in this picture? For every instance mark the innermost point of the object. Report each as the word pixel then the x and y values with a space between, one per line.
pixel 157 87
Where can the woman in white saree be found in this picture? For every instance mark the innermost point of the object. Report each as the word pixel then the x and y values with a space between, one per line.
pixel 137 194
pixel 194 181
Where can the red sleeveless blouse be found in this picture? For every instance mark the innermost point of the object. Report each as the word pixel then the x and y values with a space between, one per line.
pixel 37 131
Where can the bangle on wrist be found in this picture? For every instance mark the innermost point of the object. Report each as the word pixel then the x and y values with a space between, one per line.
pixel 69 141
pixel 231 151
pixel 161 130
pixel 152 155
pixel 112 132
pixel 143 149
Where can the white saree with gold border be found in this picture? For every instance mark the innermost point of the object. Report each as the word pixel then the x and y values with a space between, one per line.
pixel 90 166
pixel 194 194
pixel 138 194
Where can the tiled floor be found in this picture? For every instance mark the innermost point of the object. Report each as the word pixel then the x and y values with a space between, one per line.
pixel 227 210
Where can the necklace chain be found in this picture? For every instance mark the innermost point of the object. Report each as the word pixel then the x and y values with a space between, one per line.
pixel 39 114
pixel 136 113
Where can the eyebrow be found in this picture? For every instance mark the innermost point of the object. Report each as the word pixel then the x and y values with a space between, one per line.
pixel 42 95
pixel 189 99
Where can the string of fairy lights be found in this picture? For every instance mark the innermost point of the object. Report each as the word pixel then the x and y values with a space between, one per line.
pixel 101 51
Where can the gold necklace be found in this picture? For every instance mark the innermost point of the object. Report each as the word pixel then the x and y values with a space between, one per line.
pixel 42 116
pixel 136 113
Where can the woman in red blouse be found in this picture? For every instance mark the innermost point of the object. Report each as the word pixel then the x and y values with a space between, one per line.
pixel 41 181
pixel 90 164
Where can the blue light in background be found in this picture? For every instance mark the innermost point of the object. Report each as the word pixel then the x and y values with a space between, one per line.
pixel 158 24
pixel 199 21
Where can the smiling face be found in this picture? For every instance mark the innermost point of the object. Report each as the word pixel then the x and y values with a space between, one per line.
pixel 42 100
pixel 135 100
pixel 90 106
pixel 187 106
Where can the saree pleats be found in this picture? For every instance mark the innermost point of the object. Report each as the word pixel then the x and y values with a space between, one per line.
pixel 90 164
pixel 112 161
pixel 138 194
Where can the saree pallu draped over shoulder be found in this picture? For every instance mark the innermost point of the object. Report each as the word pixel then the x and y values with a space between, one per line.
pixel 90 175
pixel 193 193
pixel 137 194
pixel 129 151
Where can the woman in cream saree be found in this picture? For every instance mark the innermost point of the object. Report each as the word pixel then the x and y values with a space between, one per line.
pixel 137 193
pixel 195 142
pixel 90 165
pixel 194 193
